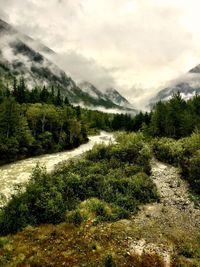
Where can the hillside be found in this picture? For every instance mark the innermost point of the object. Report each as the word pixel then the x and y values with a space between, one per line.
pixel 21 55
pixel 110 97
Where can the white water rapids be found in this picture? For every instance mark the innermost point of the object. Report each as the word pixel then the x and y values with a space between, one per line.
pixel 20 171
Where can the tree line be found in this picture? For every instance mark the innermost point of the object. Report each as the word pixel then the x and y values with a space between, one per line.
pixel 174 118
pixel 42 120
pixel 46 94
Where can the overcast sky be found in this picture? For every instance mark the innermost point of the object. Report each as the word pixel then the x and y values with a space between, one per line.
pixel 134 45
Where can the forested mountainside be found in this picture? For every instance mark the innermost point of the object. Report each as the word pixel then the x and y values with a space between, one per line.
pixel 20 55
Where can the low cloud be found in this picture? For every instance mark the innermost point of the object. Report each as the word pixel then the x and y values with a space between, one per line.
pixel 128 44
pixel 81 69
pixel 105 110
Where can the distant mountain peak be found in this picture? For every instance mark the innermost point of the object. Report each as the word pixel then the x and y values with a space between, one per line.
pixel 90 89
pixel 110 95
pixel 116 97
pixel 195 69
pixel 188 85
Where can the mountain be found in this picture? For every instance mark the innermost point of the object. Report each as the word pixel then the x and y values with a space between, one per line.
pixel 22 55
pixel 90 89
pixel 18 56
pixel 116 97
pixel 111 98
pixel 188 85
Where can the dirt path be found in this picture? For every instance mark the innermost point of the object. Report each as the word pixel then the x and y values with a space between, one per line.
pixel 173 190
pixel 160 226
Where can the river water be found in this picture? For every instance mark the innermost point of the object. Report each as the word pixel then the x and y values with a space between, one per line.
pixel 20 171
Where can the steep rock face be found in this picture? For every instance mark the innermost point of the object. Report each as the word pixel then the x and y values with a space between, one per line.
pixel 188 85
pixel 22 55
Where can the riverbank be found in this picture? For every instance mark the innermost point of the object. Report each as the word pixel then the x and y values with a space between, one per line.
pixel 19 172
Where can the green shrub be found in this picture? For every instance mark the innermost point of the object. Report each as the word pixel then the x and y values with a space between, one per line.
pixel 98 208
pixel 168 150
pixel 108 261
pixel 75 217
pixel 190 169
pixel 128 203
pixel 3 241
pixel 187 251
pixel 184 153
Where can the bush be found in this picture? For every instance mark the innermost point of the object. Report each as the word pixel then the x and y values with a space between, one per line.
pixel 75 217
pixel 184 153
pixel 108 261
pixel 168 150
pixel 98 207
pixel 190 169
pixel 127 202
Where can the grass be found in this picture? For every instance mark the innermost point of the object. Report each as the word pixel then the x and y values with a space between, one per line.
pixel 67 245
pixel 105 244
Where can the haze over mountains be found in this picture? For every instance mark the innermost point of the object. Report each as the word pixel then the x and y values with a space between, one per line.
pixel 188 85
pixel 22 55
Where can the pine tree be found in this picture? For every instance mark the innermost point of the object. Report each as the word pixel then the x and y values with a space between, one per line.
pixel 15 89
pixel 44 95
pixel 58 100
pixel 21 91
pixel 66 101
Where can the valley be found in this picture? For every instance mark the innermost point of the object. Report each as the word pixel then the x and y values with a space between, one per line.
pixel 86 179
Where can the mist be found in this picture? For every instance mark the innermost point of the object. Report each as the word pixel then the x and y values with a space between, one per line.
pixel 135 46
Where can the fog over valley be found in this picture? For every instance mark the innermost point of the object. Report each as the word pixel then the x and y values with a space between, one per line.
pixel 129 45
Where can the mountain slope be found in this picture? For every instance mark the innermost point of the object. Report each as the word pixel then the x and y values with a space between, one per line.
pixel 188 85
pixel 22 55
pixel 116 97
pixel 18 58
pixel 110 98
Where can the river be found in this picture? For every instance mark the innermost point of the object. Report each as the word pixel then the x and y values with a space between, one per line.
pixel 20 171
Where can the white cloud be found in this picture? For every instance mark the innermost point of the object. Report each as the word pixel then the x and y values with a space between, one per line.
pixel 81 69
pixel 129 43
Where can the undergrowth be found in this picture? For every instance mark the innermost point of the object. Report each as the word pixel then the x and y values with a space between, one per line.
pixel 117 176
